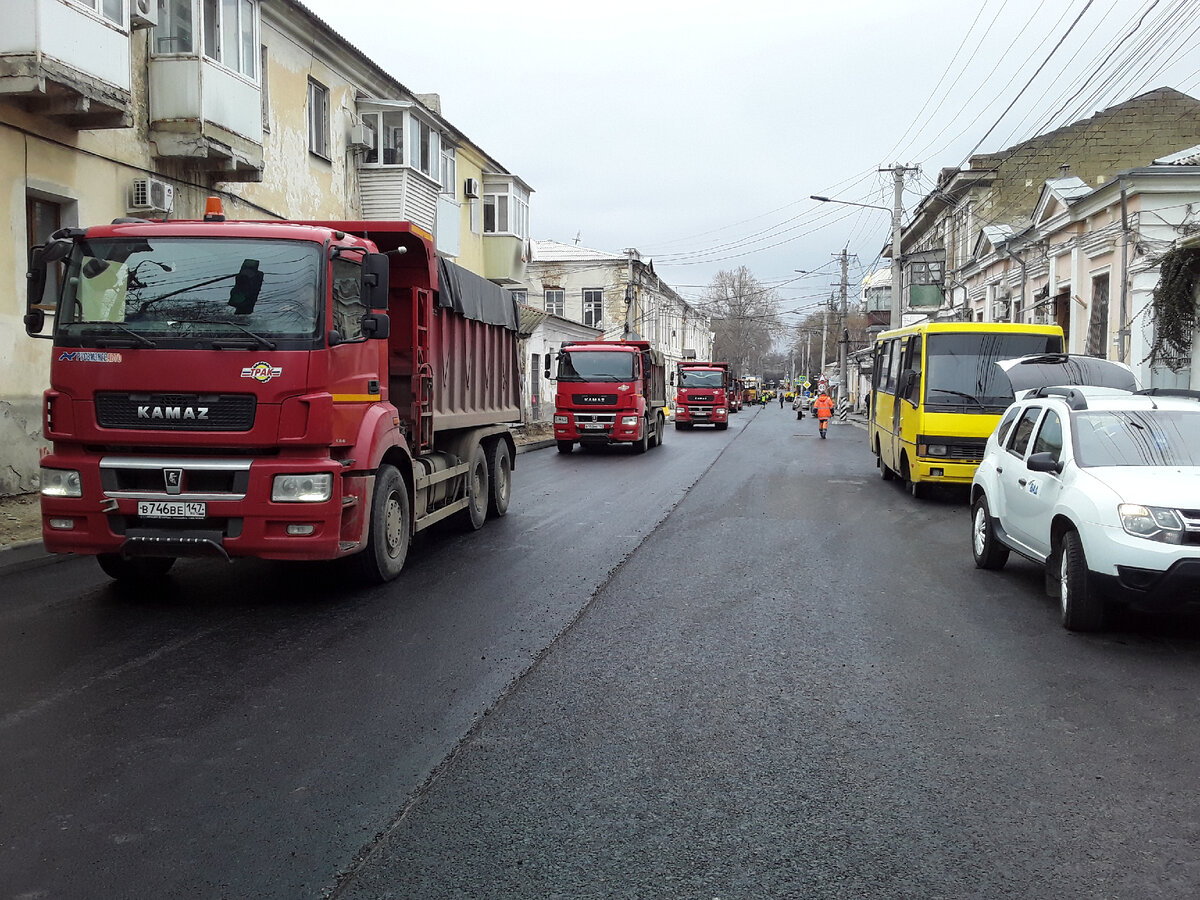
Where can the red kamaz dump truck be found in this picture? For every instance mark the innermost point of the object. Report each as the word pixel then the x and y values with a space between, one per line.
pixel 609 392
pixel 292 391
pixel 704 395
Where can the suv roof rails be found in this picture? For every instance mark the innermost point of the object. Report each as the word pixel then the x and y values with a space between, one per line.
pixel 1168 392
pixel 1074 397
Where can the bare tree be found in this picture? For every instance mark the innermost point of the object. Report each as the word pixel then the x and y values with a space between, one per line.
pixel 744 319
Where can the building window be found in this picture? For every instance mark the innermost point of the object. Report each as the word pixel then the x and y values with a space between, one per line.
pixel 423 146
pixel 556 301
pixel 173 33
pixel 505 210
pixel 448 171
pixel 230 34
pixel 318 119
pixel 113 10
pixel 521 297
pixel 593 307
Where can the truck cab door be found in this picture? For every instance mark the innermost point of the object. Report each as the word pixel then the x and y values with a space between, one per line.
pixel 356 374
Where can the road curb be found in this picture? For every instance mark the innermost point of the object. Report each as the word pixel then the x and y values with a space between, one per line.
pixel 26 555
pixel 536 445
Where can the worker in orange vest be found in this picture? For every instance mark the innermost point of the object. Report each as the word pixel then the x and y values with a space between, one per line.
pixel 824 410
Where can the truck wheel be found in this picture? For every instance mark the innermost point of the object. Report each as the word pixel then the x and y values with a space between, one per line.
pixel 142 568
pixel 679 426
pixel 388 537
pixel 477 491
pixel 643 443
pixel 566 446
pixel 1081 604
pixel 500 475
pixel 662 428
pixel 721 426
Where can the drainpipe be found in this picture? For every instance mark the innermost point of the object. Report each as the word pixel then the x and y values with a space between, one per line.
pixel 1020 262
pixel 1122 326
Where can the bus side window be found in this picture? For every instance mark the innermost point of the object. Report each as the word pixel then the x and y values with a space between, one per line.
pixel 897 351
pixel 911 365
pixel 880 365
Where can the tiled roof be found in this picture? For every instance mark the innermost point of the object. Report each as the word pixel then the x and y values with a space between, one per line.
pixel 1188 157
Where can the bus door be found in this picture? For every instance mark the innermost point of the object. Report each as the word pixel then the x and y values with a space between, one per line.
pixel 906 422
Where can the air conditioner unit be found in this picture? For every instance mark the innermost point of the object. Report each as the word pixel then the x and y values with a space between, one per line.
pixel 359 137
pixel 143 13
pixel 471 188
pixel 999 309
pixel 151 195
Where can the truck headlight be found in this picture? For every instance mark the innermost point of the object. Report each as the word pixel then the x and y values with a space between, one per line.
pixel 1155 523
pixel 302 488
pixel 61 483
pixel 720 410
pixel 682 407
pixel 629 420
pixel 560 420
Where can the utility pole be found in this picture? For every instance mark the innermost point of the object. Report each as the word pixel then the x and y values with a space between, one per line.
pixel 824 335
pixel 843 349
pixel 630 296
pixel 898 172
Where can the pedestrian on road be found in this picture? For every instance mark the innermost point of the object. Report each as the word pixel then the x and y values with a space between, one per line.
pixel 781 399
pixel 824 410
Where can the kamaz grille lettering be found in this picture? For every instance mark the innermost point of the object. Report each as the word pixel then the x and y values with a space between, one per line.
pixel 208 412
pixel 595 399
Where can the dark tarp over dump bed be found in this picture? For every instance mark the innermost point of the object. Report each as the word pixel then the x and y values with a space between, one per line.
pixel 474 297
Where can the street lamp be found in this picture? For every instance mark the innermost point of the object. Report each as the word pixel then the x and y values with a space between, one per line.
pixel 896 212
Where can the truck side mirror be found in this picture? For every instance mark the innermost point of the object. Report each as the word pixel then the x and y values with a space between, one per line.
pixel 547 365
pixel 35 276
pixel 377 325
pixel 375 281
pixel 672 379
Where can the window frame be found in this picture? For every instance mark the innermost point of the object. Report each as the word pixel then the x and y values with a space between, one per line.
pixel 1031 414
pixel 596 304
pixel 560 301
pixel 318 144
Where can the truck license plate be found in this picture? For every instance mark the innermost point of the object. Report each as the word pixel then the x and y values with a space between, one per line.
pixel 593 426
pixel 171 509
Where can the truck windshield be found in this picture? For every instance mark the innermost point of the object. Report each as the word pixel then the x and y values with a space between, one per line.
pixel 701 378
pixel 595 365
pixel 178 291
pixel 961 375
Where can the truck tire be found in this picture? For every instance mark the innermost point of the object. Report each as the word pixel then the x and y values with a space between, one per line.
pixel 475 514
pixel 390 530
pixel 662 428
pixel 566 446
pixel 642 444
pixel 138 569
pixel 500 476
pixel 721 426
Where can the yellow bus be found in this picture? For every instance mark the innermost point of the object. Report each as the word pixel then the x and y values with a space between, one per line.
pixel 936 395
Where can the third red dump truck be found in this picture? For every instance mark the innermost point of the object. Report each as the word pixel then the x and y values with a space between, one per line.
pixel 703 395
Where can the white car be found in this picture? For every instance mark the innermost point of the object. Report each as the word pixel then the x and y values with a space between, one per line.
pixel 1100 485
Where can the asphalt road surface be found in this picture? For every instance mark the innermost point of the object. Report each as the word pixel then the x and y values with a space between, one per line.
pixel 740 665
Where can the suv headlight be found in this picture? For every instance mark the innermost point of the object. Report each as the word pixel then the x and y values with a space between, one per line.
pixel 61 483
pixel 302 488
pixel 1155 523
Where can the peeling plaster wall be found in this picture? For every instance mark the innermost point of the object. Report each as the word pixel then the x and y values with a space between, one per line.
pixel 20 444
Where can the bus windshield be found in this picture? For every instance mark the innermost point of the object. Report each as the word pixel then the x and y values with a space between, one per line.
pixel 961 374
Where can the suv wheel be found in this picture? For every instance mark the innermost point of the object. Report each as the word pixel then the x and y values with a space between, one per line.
pixel 1082 606
pixel 989 552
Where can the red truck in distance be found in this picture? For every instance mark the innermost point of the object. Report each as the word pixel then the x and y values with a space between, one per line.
pixel 703 395
pixel 609 392
pixel 289 391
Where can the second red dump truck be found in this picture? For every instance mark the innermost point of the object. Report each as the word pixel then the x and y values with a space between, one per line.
pixel 293 391
pixel 704 394
pixel 609 392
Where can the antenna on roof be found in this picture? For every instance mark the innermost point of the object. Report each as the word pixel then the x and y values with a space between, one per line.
pixel 578 235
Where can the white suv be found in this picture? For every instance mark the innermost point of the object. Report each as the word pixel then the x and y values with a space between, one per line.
pixel 1102 486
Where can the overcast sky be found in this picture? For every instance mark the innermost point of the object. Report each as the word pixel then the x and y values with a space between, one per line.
pixel 696 131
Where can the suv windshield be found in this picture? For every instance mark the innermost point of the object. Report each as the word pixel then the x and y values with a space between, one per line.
pixel 595 365
pixel 174 291
pixel 701 378
pixel 961 373
pixel 1137 438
